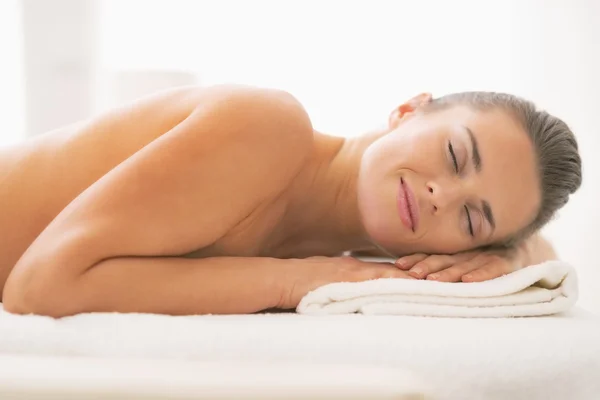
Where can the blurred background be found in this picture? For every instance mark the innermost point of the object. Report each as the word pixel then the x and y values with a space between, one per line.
pixel 348 62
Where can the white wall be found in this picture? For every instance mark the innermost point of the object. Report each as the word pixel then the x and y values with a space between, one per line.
pixel 12 98
pixel 350 62
pixel 59 54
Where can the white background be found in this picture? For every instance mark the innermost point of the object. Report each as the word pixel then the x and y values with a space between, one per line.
pixel 349 62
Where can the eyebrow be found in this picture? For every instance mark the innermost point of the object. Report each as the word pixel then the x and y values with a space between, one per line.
pixel 487 212
pixel 475 154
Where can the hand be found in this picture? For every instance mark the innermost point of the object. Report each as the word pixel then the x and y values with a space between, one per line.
pixel 473 266
pixel 304 275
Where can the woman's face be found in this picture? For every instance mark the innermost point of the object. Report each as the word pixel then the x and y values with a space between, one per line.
pixel 448 181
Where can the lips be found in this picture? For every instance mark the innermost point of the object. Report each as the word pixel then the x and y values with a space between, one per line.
pixel 407 206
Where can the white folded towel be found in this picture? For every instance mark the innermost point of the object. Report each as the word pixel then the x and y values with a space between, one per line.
pixel 543 289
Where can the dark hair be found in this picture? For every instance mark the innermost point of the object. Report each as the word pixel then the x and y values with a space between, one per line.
pixel 559 163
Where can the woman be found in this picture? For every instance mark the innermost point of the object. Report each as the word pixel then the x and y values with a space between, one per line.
pixel 224 200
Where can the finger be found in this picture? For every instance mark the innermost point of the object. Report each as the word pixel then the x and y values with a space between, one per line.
pixel 386 270
pixel 407 262
pixel 456 272
pixel 493 268
pixel 398 274
pixel 431 264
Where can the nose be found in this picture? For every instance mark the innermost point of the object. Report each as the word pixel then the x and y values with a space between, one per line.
pixel 445 195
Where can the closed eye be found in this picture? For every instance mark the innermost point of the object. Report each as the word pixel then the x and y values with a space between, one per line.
pixel 451 149
pixel 470 222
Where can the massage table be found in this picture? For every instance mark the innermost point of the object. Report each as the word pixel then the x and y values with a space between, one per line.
pixel 288 355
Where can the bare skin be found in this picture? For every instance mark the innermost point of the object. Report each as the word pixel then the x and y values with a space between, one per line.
pixel 225 200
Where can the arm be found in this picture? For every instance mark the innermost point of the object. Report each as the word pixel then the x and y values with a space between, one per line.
pixel 216 285
pixel 175 286
pixel 111 248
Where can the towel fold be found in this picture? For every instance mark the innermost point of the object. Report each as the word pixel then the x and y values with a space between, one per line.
pixel 542 289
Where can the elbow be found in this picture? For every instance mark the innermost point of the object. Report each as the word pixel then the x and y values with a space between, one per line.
pixel 26 293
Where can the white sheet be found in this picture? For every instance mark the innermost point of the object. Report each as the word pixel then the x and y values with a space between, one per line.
pixel 542 289
pixel 26 377
pixel 555 357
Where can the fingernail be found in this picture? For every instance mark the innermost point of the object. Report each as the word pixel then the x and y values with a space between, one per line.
pixel 433 276
pixel 416 272
pixel 468 277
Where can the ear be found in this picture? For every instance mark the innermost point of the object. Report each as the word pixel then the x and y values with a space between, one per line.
pixel 408 108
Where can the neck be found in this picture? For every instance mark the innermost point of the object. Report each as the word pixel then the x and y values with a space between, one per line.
pixel 324 207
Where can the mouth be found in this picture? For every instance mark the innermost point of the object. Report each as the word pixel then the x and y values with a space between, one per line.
pixel 407 206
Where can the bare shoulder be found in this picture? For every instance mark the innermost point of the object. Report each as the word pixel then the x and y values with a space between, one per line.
pixel 276 111
pixel 271 128
pixel 271 123
pixel 269 116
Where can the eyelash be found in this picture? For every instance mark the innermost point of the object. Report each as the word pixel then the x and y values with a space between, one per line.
pixel 470 223
pixel 451 149
pixel 454 161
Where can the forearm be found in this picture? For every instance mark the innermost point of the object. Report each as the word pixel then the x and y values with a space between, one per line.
pixel 170 285
pixel 537 250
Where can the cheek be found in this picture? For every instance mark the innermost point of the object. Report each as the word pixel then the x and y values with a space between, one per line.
pixel 376 204
pixel 377 198
pixel 442 237
pixel 421 152
pixel 414 146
